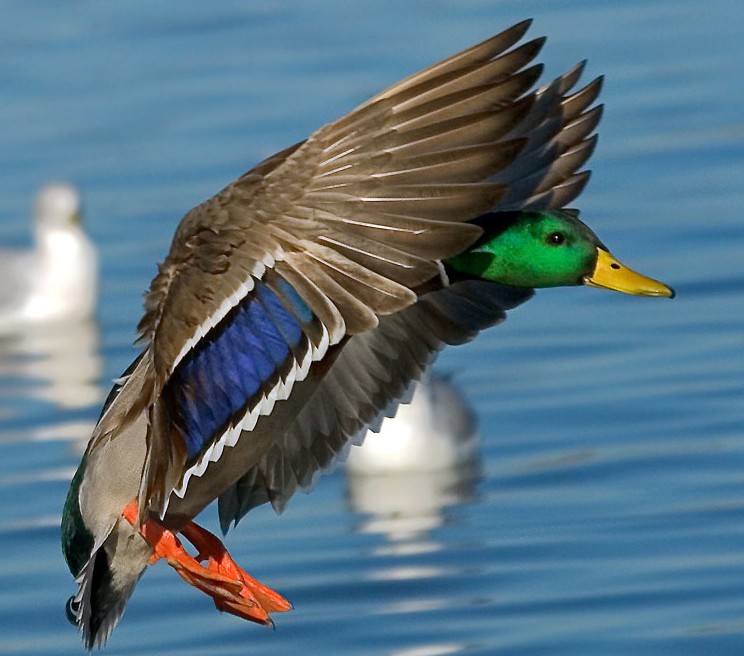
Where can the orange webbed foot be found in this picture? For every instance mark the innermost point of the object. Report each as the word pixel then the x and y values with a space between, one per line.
pixel 230 586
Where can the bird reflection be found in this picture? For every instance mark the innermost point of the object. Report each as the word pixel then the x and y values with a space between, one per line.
pixel 59 365
pixel 422 461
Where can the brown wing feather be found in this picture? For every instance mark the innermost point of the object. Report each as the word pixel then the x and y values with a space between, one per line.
pixel 424 149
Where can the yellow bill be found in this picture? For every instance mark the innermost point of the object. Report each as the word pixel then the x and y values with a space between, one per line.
pixel 609 273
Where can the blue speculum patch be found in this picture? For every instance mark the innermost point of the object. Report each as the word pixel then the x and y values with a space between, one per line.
pixel 250 348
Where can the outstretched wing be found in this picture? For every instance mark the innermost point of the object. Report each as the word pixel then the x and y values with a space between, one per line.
pixel 365 376
pixel 371 374
pixel 368 202
pixel 270 280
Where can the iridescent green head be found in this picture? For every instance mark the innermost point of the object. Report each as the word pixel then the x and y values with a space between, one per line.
pixel 548 249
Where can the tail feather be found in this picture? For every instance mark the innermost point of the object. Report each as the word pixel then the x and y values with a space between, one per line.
pixel 106 582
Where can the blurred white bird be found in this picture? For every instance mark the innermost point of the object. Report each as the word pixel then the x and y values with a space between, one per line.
pixel 435 431
pixel 58 279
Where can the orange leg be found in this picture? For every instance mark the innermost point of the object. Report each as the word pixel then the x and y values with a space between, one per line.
pixel 231 587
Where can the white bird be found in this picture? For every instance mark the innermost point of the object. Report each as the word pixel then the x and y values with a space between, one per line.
pixel 436 431
pixel 58 279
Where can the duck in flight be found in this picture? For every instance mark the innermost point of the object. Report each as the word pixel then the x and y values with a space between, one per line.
pixel 297 305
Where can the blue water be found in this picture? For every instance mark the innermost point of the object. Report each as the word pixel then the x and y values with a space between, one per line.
pixel 609 514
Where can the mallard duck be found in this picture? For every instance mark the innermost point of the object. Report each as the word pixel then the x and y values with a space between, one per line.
pixel 297 304
pixel 57 280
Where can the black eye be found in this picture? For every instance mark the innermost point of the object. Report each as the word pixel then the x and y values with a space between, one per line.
pixel 556 238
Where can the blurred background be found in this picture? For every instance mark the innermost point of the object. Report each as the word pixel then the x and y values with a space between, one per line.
pixel 600 507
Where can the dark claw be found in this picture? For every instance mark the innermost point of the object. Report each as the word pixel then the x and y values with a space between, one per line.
pixel 72 609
